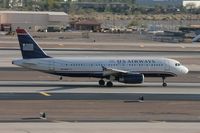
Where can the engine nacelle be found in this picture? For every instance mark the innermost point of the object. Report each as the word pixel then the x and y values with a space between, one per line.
pixel 132 78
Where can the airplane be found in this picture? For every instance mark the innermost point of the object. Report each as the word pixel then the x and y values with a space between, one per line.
pixel 128 70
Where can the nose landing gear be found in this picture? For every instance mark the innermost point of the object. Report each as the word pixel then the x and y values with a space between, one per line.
pixel 164 83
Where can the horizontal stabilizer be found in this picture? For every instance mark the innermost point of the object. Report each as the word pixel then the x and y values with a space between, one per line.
pixel 196 39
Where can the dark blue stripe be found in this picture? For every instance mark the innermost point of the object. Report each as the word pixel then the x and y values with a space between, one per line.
pixel 100 74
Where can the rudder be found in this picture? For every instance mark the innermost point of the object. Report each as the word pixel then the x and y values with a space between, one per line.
pixel 29 47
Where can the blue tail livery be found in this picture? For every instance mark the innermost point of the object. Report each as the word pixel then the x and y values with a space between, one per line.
pixel 29 48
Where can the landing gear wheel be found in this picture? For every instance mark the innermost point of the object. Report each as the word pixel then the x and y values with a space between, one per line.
pixel 109 84
pixel 101 82
pixel 164 84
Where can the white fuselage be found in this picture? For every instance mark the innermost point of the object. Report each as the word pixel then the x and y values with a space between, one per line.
pixel 92 67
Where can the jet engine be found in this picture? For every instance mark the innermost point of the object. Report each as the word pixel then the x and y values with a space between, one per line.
pixel 132 78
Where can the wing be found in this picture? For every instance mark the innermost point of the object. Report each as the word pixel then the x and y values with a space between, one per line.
pixel 123 76
pixel 113 72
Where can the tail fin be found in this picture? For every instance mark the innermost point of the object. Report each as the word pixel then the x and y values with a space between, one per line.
pixel 29 48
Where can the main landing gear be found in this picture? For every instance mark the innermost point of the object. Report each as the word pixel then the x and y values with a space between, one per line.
pixel 108 84
pixel 101 82
pixel 164 83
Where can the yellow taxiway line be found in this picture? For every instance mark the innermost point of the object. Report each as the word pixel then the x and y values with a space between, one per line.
pixel 45 94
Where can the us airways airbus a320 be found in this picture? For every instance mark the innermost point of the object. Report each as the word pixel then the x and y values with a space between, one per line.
pixel 130 70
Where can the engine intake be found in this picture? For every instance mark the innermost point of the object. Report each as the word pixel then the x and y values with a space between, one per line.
pixel 132 78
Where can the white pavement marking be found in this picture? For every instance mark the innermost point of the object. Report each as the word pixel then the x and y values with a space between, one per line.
pixel 66 127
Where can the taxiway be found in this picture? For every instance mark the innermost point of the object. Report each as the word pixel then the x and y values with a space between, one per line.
pixel 24 94
pixel 154 127
pixel 44 90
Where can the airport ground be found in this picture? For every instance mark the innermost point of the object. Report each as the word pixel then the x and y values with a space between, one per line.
pixel 57 127
pixel 24 94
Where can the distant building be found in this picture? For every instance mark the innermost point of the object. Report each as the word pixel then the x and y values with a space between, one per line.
pixel 102 6
pixel 33 20
pixel 15 3
pixel 191 3
pixel 164 3
pixel 88 25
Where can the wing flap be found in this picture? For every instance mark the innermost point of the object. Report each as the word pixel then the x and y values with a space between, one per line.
pixel 111 71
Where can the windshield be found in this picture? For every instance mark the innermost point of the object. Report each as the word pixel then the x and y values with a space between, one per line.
pixel 177 64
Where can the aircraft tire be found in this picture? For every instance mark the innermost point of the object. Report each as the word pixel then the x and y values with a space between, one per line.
pixel 101 82
pixel 164 84
pixel 109 84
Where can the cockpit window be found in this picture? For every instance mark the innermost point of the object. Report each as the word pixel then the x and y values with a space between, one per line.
pixel 177 64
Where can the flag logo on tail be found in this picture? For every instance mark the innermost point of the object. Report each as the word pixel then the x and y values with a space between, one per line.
pixel 28 47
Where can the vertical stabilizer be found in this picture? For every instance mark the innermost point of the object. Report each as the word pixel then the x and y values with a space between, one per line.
pixel 29 48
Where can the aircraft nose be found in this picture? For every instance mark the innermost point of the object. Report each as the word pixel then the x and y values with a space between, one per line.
pixel 185 70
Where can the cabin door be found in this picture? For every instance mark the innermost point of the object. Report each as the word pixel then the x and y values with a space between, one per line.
pixel 167 67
